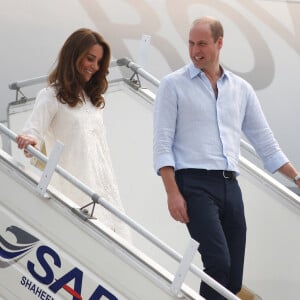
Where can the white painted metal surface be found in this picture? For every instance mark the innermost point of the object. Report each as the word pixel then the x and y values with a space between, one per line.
pixel 50 168
pixel 184 266
pixel 272 210
pixel 48 252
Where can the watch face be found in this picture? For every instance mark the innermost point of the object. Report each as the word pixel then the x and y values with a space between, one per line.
pixel 296 178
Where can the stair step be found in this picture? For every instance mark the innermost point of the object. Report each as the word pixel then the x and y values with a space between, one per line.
pixel 246 294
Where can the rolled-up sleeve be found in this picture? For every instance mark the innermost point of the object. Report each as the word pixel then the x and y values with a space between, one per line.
pixel 257 130
pixel 165 115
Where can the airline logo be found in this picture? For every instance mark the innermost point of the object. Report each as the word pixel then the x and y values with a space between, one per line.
pixel 42 268
pixel 24 243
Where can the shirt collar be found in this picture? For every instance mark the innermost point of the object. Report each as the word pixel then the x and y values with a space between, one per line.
pixel 194 72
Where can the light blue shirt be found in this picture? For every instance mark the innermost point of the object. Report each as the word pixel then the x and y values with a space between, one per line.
pixel 193 129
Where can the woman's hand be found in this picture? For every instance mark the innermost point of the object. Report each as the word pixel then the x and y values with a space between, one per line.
pixel 23 141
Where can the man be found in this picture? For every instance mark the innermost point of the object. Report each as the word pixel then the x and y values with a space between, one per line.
pixel 200 112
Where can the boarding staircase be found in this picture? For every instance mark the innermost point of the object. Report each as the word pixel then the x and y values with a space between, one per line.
pixel 51 248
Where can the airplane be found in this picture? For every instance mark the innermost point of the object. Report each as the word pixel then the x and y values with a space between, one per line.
pixel 261 44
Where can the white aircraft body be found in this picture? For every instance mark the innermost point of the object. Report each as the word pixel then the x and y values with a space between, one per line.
pixel 261 44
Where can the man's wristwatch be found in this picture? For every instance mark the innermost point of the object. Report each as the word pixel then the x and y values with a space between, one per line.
pixel 296 178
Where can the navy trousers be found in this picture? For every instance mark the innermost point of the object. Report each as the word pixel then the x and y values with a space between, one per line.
pixel 217 222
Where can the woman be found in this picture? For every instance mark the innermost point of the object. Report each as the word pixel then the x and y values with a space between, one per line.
pixel 70 110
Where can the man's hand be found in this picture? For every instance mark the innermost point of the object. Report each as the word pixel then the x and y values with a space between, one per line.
pixel 177 207
pixel 176 202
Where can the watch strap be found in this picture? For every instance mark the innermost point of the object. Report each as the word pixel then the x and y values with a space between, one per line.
pixel 296 178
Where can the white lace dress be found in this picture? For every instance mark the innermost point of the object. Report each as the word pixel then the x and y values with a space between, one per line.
pixel 85 154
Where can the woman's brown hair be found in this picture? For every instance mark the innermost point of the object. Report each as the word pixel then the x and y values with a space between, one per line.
pixel 65 76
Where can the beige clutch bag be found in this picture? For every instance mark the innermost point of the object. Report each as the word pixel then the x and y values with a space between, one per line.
pixel 36 162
